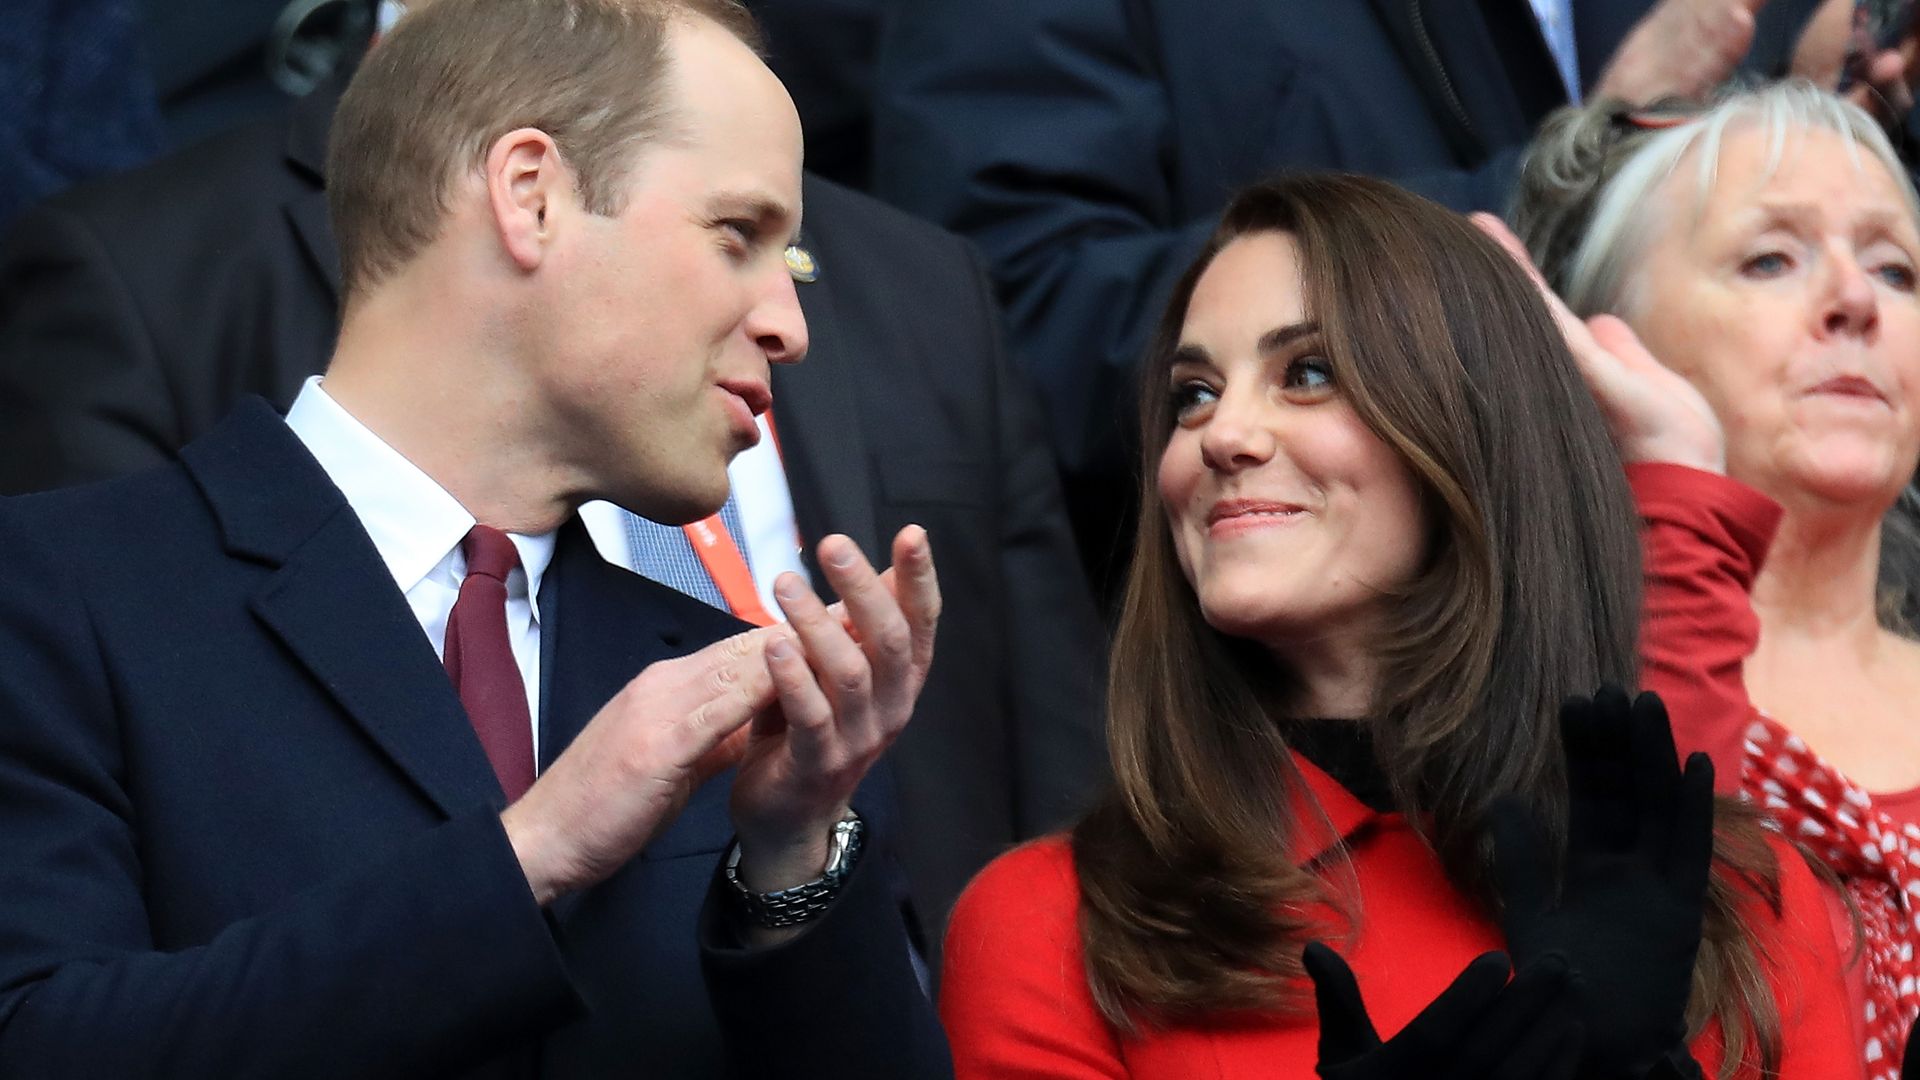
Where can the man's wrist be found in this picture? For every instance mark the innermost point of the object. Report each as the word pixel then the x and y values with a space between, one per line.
pixel 534 854
pixel 787 906
pixel 768 867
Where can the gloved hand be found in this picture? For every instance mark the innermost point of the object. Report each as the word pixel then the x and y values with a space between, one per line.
pixel 1910 1061
pixel 1627 914
pixel 1481 1027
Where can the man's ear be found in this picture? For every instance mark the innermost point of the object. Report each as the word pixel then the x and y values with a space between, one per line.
pixel 528 185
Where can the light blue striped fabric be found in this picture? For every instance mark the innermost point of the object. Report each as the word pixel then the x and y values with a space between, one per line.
pixel 1556 25
pixel 663 553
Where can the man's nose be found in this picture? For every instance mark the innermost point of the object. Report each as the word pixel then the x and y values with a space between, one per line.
pixel 777 323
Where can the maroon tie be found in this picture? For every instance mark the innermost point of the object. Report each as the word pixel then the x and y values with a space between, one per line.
pixel 480 660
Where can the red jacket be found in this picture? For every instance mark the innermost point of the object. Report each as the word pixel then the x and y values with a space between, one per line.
pixel 1016 1006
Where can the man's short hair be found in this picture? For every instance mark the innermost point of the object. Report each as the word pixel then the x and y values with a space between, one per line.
pixel 435 94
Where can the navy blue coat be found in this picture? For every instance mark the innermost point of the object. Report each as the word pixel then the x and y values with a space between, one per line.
pixel 135 311
pixel 248 830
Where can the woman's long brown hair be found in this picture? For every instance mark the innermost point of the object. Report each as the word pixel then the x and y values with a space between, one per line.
pixel 1530 591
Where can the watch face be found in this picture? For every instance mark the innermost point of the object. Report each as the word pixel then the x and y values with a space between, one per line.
pixel 844 846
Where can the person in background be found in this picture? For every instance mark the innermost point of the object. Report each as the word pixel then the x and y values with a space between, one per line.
pixel 1088 145
pixel 1383 534
pixel 135 312
pixel 1765 249
pixel 335 749
pixel 80 99
pixel 823 50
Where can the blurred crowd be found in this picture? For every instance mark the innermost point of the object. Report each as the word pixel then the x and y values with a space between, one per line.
pixel 1022 538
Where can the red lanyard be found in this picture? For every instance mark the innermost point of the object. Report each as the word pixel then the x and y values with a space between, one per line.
pixel 725 565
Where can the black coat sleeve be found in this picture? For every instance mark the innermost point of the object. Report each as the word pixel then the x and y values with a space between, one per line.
pixel 82 394
pixel 839 1001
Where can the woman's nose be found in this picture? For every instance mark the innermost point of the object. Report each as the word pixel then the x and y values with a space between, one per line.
pixel 1239 434
pixel 1848 303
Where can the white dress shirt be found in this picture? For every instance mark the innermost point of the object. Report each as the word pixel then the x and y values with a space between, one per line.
pixel 772 543
pixel 416 526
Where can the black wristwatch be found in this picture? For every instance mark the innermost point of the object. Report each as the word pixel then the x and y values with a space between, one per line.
pixel 792 907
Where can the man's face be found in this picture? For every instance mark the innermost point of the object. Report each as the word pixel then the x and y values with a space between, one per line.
pixel 661 321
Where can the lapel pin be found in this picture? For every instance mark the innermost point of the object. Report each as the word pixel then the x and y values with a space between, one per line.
pixel 801 264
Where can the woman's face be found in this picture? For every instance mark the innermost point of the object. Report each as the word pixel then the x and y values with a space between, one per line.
pixel 1790 303
pixel 1289 515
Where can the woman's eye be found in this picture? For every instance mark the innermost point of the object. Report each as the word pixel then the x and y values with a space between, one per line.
pixel 1189 397
pixel 1309 375
pixel 1766 264
pixel 1898 275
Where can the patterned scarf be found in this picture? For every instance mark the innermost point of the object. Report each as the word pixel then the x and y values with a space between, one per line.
pixel 1878 862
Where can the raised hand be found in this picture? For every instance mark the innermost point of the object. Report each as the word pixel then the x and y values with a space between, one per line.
pixel 1653 414
pixel 847 678
pixel 1481 1027
pixel 1680 48
pixel 1626 910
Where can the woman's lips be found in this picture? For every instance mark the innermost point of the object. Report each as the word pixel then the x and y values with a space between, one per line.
pixel 1849 386
pixel 1237 516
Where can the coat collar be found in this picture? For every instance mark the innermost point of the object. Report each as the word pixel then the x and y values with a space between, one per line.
pixel 1326 815
pixel 330 600
pixel 328 597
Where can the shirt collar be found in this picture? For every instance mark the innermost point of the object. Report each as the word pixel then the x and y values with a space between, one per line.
pixel 414 522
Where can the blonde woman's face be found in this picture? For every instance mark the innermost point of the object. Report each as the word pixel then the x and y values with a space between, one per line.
pixel 1791 304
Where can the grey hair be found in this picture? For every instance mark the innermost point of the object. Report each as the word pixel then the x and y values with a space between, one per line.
pixel 1588 203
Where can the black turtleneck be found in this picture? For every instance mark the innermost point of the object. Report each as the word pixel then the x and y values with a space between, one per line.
pixel 1343 749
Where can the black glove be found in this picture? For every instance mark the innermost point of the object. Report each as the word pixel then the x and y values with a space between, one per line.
pixel 1910 1061
pixel 1481 1027
pixel 1627 915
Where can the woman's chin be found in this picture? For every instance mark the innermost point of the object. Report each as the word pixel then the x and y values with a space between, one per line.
pixel 1867 482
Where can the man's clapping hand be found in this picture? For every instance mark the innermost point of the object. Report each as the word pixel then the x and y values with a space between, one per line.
pixel 846 682
pixel 804 709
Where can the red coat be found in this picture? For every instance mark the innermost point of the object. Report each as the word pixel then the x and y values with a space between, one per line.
pixel 1015 1002
pixel 1706 537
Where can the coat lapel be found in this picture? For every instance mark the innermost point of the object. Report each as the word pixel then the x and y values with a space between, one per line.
pixel 599 627
pixel 822 444
pixel 331 601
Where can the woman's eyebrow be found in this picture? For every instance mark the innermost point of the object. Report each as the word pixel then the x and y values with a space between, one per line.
pixel 1282 336
pixel 1191 354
